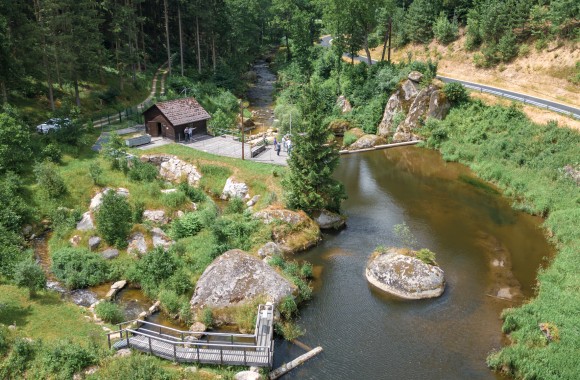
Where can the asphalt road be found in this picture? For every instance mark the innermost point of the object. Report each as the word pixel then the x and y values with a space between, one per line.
pixel 516 96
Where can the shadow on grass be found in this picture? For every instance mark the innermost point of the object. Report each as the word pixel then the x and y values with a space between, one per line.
pixel 47 298
pixel 14 314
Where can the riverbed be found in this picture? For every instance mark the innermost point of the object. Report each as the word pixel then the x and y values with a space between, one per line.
pixel 489 252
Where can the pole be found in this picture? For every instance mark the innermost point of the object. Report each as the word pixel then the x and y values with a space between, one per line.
pixel 242 114
pixel 390 32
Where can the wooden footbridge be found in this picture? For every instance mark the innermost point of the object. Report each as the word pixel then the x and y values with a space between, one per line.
pixel 201 347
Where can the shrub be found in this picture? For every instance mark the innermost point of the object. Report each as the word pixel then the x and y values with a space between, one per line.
pixel 79 268
pixel 188 225
pixel 170 302
pixel 288 307
pixel 349 138
pixel 110 312
pixel 174 199
pixel 142 171
pixel 5 340
pixel 52 152
pixel 95 172
pixel 138 209
pixel 235 205
pixel 64 220
pixel 66 358
pixel 155 267
pixel 524 50
pixel 114 219
pixel 194 194
pixel 426 256
pixel 22 353
pixel 28 274
pixel 507 47
pixel 289 330
pixel 455 92
pixel 207 317
pixel 49 180
pixel 306 270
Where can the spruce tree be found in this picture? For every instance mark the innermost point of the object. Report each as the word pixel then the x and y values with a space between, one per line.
pixel 309 185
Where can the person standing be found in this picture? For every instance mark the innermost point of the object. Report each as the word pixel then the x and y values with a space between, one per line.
pixel 289 145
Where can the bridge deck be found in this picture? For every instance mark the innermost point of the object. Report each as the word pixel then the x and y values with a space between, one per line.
pixel 214 348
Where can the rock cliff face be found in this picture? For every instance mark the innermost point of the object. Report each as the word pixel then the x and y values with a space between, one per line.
pixel 173 169
pixel 417 104
pixel 404 276
pixel 236 278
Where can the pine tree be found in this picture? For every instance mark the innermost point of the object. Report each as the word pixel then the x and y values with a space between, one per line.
pixel 309 185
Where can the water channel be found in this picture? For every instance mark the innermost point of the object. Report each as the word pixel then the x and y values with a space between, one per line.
pixel 477 237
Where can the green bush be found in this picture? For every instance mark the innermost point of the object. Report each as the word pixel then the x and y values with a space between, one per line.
pixel 142 171
pixel 194 194
pixel 154 268
pixel 188 225
pixel 507 47
pixel 288 307
pixel 134 367
pixel 52 153
pixel 110 312
pixel 237 231
pixel 170 302
pixel 20 357
pixel 5 340
pixel 207 317
pixel 174 199
pixel 349 138
pixel 95 172
pixel 30 275
pixel 79 268
pixel 235 205
pixel 138 209
pixel 426 256
pixel 49 180
pixel 64 220
pixel 289 330
pixel 455 92
pixel 114 219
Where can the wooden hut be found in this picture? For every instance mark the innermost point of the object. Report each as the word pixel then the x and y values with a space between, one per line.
pixel 169 119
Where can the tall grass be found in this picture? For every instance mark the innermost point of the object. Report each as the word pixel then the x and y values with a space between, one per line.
pixel 525 160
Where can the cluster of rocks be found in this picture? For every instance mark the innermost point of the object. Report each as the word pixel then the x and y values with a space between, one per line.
pixel 174 169
pixel 235 189
pixel 399 272
pixel 87 221
pixel 417 104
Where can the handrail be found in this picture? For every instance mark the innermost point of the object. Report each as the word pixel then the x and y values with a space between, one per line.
pixel 188 343
pixel 183 331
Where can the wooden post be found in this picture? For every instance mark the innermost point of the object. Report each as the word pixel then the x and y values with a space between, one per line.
pixel 127 337
pixel 197 350
pixel 245 361
pixel 109 340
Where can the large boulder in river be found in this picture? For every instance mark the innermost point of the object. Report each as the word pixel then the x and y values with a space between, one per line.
pixel 173 169
pixel 366 142
pixel 293 231
pixel 339 126
pixel 404 275
pixel 327 220
pixel 236 278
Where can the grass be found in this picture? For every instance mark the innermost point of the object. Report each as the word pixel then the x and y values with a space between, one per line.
pixel 46 316
pixel 525 161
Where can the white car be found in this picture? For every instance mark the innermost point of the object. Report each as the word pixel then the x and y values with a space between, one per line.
pixel 52 125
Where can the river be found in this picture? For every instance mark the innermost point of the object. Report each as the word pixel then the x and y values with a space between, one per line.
pixel 477 237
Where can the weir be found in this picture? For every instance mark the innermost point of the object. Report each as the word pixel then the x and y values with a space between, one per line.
pixel 201 347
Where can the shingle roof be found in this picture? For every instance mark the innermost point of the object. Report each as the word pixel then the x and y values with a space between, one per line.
pixel 183 111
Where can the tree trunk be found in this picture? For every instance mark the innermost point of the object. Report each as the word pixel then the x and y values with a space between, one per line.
pixel 390 33
pixel 142 39
pixel 198 52
pixel 213 53
pixel 44 60
pixel 167 36
pixel 385 44
pixel 367 50
pixel 4 92
pixel 58 76
pixel 287 48
pixel 77 95
pixel 180 37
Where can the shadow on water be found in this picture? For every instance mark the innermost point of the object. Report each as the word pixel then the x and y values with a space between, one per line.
pixel 485 248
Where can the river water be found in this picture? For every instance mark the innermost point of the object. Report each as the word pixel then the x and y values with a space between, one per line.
pixel 486 249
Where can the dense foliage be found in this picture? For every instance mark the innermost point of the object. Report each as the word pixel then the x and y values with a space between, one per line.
pixel 79 268
pixel 114 219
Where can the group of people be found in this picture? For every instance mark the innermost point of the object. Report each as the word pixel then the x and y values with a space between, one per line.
pixel 188 133
pixel 285 144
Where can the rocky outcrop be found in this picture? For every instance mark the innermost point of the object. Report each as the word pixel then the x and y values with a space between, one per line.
pixel 137 244
pixel 417 104
pixel 329 220
pixel 343 103
pixel 297 231
pixel 253 201
pixel 94 242
pixel 155 216
pixel 367 141
pixel 160 238
pixel 236 278
pixel 339 126
pixel 248 375
pixel 115 288
pixel 98 198
pixel 173 169
pixel 393 107
pixel 86 223
pixel 404 275
pixel 269 249
pixel 234 189
pixel 110 253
